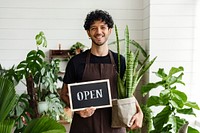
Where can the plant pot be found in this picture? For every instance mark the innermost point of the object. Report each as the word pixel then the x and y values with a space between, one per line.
pixel 123 111
pixel 42 107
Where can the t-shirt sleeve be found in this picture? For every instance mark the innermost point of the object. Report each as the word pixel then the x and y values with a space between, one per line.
pixel 69 76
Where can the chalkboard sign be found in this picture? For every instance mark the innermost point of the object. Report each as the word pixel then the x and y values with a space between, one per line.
pixel 90 94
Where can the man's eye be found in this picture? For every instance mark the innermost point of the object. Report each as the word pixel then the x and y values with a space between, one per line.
pixel 104 27
pixel 92 28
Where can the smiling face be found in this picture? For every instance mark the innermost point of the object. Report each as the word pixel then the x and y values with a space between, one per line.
pixel 99 33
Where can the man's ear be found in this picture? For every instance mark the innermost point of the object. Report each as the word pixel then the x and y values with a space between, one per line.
pixel 110 30
pixel 88 33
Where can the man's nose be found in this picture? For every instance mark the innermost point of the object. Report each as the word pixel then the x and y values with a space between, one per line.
pixel 99 30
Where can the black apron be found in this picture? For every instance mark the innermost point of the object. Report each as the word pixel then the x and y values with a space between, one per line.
pixel 100 121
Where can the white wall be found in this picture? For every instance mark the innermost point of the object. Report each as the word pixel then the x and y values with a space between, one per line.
pixel 164 28
pixel 171 39
pixel 61 21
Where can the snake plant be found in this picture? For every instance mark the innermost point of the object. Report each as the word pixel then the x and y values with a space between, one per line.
pixel 135 69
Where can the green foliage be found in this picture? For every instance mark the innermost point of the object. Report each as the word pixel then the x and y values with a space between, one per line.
pixel 55 106
pixel 45 76
pixel 21 112
pixel 41 39
pixel 8 99
pixel 44 125
pixel 172 100
pixel 76 46
pixel 6 126
pixel 134 68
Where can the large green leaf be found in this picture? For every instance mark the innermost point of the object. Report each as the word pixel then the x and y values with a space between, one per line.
pixel 41 53
pixel 146 88
pixel 154 101
pixel 192 105
pixel 172 79
pixel 192 130
pixel 44 125
pixel 31 53
pixel 177 123
pixel 178 98
pixel 6 126
pixel 188 111
pixel 7 97
pixel 162 118
pixel 175 70
pixel 161 73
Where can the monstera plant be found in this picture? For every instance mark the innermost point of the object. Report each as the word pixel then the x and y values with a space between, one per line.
pixel 41 77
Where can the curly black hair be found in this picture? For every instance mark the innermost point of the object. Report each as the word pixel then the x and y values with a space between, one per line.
pixel 98 15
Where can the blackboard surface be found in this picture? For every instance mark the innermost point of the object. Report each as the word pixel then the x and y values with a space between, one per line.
pixel 90 94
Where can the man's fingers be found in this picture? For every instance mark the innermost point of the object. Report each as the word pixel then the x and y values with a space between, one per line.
pixel 87 112
pixel 132 121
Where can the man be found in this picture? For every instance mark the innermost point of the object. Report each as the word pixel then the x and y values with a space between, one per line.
pixel 97 63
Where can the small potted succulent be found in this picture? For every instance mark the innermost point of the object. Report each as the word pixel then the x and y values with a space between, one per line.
pixel 124 107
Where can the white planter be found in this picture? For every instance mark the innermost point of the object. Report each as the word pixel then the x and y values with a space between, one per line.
pixel 42 107
pixel 123 111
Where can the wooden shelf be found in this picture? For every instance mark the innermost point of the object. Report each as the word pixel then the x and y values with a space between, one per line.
pixel 59 54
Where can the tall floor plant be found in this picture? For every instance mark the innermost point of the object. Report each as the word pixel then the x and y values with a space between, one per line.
pixel 171 100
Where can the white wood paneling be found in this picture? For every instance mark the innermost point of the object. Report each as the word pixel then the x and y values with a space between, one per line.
pixel 61 21
pixel 172 40
pixel 76 4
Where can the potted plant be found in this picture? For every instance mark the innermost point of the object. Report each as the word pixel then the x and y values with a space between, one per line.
pixel 40 75
pixel 77 48
pixel 21 110
pixel 122 111
pixel 171 100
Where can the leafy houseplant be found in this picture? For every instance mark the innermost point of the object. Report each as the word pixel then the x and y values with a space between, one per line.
pixel 41 76
pixel 127 86
pixel 77 48
pixel 8 99
pixel 21 110
pixel 44 125
pixel 172 100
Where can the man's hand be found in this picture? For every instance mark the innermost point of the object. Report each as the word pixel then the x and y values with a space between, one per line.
pixel 136 121
pixel 86 112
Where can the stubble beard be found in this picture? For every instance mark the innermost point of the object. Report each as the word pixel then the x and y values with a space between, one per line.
pixel 98 43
